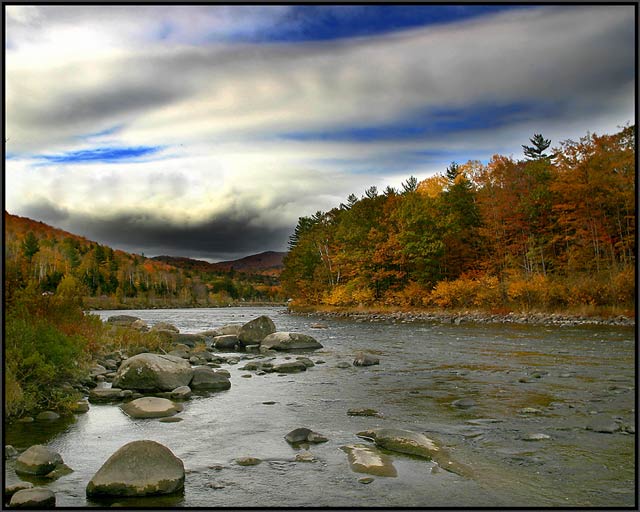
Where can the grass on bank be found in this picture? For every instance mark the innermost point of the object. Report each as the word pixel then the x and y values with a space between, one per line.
pixel 50 345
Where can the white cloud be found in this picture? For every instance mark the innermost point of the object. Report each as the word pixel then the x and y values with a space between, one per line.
pixel 218 106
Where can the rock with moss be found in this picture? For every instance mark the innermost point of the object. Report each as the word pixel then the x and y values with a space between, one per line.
pixel 37 460
pixel 33 498
pixel 256 330
pixel 10 490
pixel 153 372
pixel 139 468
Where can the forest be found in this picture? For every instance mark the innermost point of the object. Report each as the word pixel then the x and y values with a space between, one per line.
pixel 60 262
pixel 552 232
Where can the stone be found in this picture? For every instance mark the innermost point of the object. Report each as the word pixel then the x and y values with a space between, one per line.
pixel 153 372
pixel 151 407
pixel 182 354
pixel 122 320
pixel 464 403
pixel 181 393
pixel 139 325
pixel 60 470
pixel 190 340
pixel 164 326
pixel 248 461
pixel 305 456
pixel 97 370
pixel 256 330
pixel 366 480
pixel 536 437
pixel 37 460
pixel 318 326
pixel 368 459
pixel 343 364
pixel 290 367
pixel 529 410
pixel 363 359
pixel 106 395
pixel 34 497
pixel 403 441
pixel 304 435
pixel 289 341
pixel 10 490
pixel 306 361
pixel 364 412
pixel 223 331
pixel 205 378
pixel 139 468
pixel 10 452
pixel 269 402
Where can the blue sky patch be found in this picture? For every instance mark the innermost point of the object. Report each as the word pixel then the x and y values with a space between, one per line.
pixel 106 154
pixel 429 122
pixel 327 22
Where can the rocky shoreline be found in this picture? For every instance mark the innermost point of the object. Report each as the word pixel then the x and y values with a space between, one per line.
pixel 547 319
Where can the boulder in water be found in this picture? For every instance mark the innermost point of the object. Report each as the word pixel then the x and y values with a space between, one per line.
pixel 206 379
pixel 37 460
pixel 256 330
pixel 151 407
pixel 34 497
pixel 367 459
pixel 139 468
pixel 289 341
pixel 153 372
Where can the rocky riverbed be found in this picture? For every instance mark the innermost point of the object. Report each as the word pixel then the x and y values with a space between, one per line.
pixel 519 415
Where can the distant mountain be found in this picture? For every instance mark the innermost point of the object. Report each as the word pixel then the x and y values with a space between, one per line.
pixel 268 263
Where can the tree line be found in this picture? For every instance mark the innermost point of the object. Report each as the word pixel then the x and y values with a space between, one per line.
pixel 63 263
pixel 554 230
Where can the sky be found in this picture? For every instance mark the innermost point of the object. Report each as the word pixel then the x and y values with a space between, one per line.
pixel 207 131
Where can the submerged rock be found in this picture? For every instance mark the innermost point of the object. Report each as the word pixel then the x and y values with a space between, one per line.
pixel 464 403
pixel 151 407
pixel 603 426
pixel 289 341
pixel 403 441
pixel 48 416
pixel 10 490
pixel 305 456
pixel 153 372
pixel 35 497
pixel 37 460
pixel 164 326
pixel 139 468
pixel 363 359
pixel 290 367
pixel 367 459
pixel 248 461
pixel 364 412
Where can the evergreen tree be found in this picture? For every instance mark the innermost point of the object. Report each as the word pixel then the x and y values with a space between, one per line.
pixel 30 246
pixel 537 151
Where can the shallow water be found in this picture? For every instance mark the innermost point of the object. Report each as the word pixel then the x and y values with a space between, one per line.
pixel 573 375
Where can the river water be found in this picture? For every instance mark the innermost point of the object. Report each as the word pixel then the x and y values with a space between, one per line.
pixel 574 376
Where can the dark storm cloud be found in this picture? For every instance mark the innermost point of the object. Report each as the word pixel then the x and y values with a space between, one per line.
pixel 218 238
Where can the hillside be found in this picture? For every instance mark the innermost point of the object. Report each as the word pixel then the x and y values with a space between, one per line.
pixel 49 257
pixel 265 263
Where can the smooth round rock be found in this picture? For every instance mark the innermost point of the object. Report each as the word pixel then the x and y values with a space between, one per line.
pixel 35 497
pixel 248 461
pixel 139 468
pixel 37 460
pixel 48 416
pixel 464 403
pixel 151 407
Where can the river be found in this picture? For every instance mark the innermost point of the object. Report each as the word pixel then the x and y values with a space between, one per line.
pixel 574 377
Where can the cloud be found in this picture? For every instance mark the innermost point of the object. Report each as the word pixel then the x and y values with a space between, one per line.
pixel 183 115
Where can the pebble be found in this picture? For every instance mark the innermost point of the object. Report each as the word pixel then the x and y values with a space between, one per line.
pixel 464 403
pixel 170 419
pixel 366 480
pixel 248 461
pixel 305 456
pixel 343 364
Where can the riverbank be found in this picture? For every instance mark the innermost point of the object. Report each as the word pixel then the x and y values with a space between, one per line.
pixel 108 304
pixel 459 317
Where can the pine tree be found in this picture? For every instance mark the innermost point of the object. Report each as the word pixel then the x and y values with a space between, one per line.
pixel 536 152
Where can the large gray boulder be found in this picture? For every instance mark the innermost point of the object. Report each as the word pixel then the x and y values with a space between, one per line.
pixel 256 330
pixel 223 331
pixel 164 326
pixel 151 407
pixel 36 497
pixel 139 468
pixel 207 380
pixel 289 341
pixel 37 460
pixel 153 372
